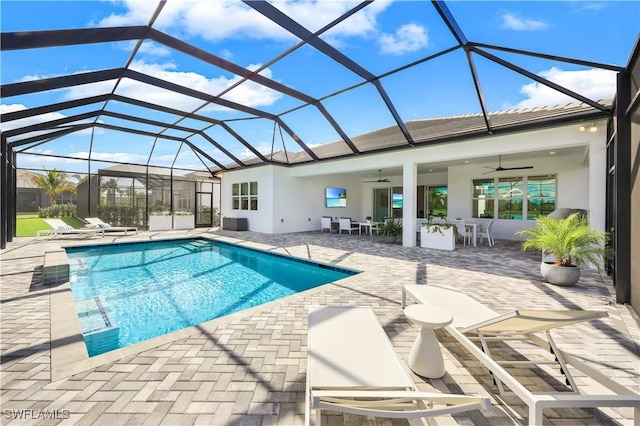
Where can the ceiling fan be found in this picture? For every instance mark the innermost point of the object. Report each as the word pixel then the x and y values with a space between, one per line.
pixel 500 168
pixel 379 178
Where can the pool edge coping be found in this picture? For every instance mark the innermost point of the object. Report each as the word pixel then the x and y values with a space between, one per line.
pixel 69 355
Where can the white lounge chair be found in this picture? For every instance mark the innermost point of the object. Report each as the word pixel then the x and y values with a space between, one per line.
pixel 353 368
pixel 474 321
pixel 108 228
pixel 59 228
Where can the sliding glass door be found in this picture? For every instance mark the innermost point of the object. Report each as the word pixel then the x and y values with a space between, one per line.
pixel 380 204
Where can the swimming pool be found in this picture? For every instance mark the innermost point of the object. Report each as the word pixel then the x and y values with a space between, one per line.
pixel 130 292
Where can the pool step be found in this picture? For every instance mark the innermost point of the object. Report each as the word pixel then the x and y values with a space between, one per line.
pixel 99 329
pixel 196 245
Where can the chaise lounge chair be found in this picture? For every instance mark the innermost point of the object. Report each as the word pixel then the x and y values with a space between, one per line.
pixel 59 228
pixel 353 368
pixel 473 321
pixel 108 228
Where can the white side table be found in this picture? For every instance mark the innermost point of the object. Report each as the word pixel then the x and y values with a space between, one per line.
pixel 366 226
pixel 425 357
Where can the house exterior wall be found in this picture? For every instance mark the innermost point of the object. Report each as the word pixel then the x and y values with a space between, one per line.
pixel 292 199
pixel 287 203
pixel 572 180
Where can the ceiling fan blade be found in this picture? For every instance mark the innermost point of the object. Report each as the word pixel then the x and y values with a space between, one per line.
pixel 517 168
pixel 378 180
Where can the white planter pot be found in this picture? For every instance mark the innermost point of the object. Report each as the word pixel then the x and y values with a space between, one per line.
pixel 160 223
pixel 184 222
pixel 437 237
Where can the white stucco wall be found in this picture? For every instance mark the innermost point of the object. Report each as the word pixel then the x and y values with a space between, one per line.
pixel 291 204
pixel 572 188
pixel 292 199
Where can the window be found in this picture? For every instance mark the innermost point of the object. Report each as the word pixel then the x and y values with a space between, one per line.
pixel 432 201
pixel 504 197
pixel 437 200
pixel 541 196
pixel 244 196
pixel 483 197
pixel 510 198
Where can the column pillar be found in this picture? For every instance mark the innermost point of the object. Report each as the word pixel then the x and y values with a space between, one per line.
pixel 409 203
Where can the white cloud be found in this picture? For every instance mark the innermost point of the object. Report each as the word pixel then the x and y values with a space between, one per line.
pixel 147 48
pixel 593 83
pixel 591 5
pixel 124 157
pixel 150 48
pixel 28 121
pixel 407 38
pixel 511 21
pixel 263 148
pixel 218 20
pixel 23 122
pixel 42 160
pixel 248 93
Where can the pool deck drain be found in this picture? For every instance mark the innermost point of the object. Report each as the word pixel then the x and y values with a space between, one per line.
pixel 250 368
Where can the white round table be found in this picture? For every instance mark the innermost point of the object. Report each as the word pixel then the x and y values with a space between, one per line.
pixel 425 357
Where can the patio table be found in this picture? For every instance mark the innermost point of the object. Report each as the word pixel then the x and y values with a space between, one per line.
pixel 367 226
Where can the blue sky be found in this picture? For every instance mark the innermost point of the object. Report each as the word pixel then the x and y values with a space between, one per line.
pixel 381 37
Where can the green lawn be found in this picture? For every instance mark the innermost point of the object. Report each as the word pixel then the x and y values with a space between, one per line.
pixel 28 224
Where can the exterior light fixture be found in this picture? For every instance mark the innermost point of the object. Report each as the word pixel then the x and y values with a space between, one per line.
pixel 552 152
pixel 592 128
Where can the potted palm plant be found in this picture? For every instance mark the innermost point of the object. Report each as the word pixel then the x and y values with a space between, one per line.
pixel 571 241
pixel 390 230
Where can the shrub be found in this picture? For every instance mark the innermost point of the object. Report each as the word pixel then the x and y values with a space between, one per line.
pixel 58 210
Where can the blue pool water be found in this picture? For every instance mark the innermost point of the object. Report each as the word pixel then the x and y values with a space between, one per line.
pixel 131 292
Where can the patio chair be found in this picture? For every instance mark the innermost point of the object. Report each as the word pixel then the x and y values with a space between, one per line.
pixel 353 368
pixel 346 224
pixel 59 228
pixel 108 228
pixel 473 321
pixel 325 223
pixel 375 227
pixel 484 231
pixel 464 233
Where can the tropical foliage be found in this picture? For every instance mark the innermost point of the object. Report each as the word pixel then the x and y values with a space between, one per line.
pixel 391 228
pixel 570 240
pixel 432 226
pixel 52 183
pixel 437 201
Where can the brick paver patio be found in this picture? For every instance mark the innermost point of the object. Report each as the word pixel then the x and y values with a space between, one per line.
pixel 249 369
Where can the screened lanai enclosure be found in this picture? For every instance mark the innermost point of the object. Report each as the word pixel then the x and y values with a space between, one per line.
pixel 151 102
pixel 129 195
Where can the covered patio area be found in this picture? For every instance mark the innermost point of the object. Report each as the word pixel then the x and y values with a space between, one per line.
pixel 249 368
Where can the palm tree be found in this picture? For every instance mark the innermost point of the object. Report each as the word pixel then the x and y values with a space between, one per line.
pixel 53 182
pixel 111 187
